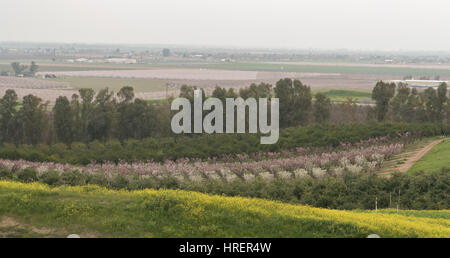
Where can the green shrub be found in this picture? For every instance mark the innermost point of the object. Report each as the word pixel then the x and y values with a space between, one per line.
pixel 51 177
pixel 73 178
pixel 138 183
pixel 168 182
pixel 27 175
pixel 97 179
pixel 6 174
pixel 119 182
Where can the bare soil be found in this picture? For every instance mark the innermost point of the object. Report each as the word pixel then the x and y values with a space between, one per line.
pixel 228 78
pixel 30 83
pixel 204 78
pixel 10 227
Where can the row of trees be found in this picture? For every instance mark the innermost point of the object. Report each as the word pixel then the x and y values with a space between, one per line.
pixel 295 98
pixel 86 117
pixel 27 71
pixel 104 115
pixel 401 103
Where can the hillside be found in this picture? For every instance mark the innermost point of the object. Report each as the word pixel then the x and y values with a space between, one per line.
pixel 435 159
pixel 91 211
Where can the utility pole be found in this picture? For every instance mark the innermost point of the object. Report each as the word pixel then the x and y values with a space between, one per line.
pixel 390 199
pixel 376 204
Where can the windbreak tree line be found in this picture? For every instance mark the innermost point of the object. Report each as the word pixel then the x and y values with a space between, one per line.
pixel 85 117
pixel 405 104
pixel 24 70
pixel 103 116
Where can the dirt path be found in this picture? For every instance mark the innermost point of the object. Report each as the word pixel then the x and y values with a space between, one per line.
pixel 10 227
pixel 411 159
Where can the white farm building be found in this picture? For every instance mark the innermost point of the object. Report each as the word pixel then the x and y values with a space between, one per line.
pixel 420 83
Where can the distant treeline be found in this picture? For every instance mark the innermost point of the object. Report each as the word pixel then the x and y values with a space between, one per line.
pixel 406 104
pixel 105 116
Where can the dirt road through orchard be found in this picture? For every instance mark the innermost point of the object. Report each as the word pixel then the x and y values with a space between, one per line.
pixel 412 157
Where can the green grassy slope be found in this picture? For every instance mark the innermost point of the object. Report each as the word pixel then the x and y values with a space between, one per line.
pixel 436 159
pixel 95 211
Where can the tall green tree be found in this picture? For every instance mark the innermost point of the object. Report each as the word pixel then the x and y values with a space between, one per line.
pixel 432 105
pixel 35 119
pixel 412 107
pixel 262 90
pixel 382 94
pixel 77 123
pixel 18 68
pixel 33 68
pixel 134 120
pixel 295 102
pixel 220 93
pixel 87 112
pixel 63 120
pixel 8 109
pixel 442 101
pixel 137 120
pixel 126 94
pixel 322 108
pixel 101 126
pixel 399 103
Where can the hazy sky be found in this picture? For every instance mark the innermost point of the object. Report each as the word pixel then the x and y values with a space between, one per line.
pixel 318 24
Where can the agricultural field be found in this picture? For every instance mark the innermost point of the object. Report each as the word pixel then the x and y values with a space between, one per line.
pixel 30 83
pixel 303 192
pixel 296 67
pixel 114 84
pixel 345 95
pixel 209 78
pixel 151 78
pixel 182 74
pixel 361 158
pixel 51 89
pixel 322 68
pixel 47 66
pixel 46 90
pixel 308 175
pixel 53 212
pixel 145 88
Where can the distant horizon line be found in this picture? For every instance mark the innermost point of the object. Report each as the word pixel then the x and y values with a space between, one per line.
pixel 224 46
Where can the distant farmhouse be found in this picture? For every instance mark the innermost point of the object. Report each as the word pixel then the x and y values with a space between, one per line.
pixel 108 60
pixel 121 60
pixel 422 84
